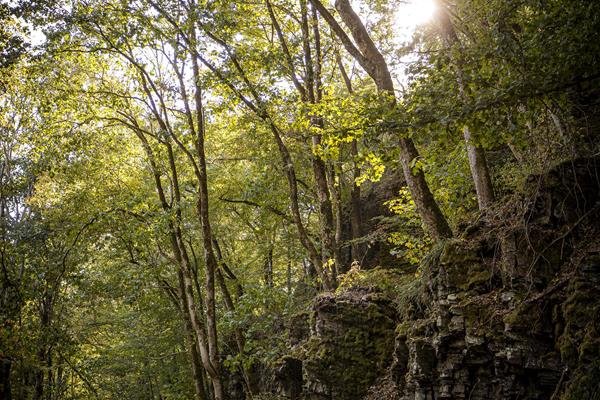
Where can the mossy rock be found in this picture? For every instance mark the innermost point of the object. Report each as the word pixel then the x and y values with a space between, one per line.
pixel 458 252
pixel 354 342
pixel 299 327
pixel 463 268
pixel 478 317
pixel 584 384
pixel 477 276
pixel 579 341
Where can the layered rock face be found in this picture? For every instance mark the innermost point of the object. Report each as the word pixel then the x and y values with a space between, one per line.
pixel 349 347
pixel 509 311
pixel 500 344
pixel 515 305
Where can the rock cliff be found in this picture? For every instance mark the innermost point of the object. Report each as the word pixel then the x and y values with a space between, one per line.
pixel 510 310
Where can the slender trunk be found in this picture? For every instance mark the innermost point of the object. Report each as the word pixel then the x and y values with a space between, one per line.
pixel 325 209
pixel 314 86
pixel 288 275
pixel 203 211
pixel 479 171
pixel 60 383
pixel 293 187
pixel 268 268
pixel 201 336
pixel 195 360
pixel 355 202
pixel 476 155
pixel 421 195
pixel 239 337
pixel 182 260
pixel 336 196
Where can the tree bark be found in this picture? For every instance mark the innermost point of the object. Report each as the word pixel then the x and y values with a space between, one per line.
pixel 203 211
pixel 479 171
pixel 476 155
pixel 314 86
pixel 356 227
pixel 195 360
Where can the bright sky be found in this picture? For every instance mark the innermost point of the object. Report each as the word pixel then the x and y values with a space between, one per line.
pixel 408 16
pixel 411 15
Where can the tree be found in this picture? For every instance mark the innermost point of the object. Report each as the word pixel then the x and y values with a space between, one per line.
pixel 372 61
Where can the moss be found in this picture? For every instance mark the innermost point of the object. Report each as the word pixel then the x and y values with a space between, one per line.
pixel 348 364
pixel 457 252
pixel 477 318
pixel 530 319
pixel 579 341
pixel 354 345
pixel 589 350
pixel 585 384
pixel 402 329
pixel 477 275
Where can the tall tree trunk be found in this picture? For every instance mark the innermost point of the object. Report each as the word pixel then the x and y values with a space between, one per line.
pixel 314 90
pixel 476 155
pixel 203 211
pixel 356 227
pixel 372 61
pixel 335 189
pixel 195 360
pixel 180 254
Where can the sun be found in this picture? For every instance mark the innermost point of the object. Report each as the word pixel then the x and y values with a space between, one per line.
pixel 414 13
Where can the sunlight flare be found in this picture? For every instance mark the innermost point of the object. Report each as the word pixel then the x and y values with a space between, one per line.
pixel 414 13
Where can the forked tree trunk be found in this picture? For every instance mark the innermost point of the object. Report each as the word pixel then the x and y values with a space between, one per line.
pixel 255 104
pixel 180 255
pixel 207 239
